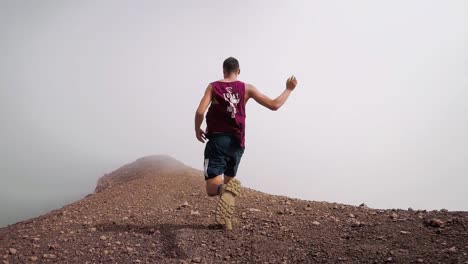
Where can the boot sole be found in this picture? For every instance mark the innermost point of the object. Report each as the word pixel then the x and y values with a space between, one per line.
pixel 226 204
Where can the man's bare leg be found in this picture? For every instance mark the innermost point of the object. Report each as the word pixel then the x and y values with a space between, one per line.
pixel 227 179
pixel 213 184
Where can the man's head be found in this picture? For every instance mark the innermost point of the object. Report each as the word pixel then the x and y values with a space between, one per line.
pixel 231 65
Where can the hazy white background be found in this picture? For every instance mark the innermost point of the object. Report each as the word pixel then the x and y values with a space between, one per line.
pixel 380 114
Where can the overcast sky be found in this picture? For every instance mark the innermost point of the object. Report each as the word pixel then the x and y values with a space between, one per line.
pixel 380 114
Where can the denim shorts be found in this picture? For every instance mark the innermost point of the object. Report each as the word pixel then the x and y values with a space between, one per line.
pixel 222 156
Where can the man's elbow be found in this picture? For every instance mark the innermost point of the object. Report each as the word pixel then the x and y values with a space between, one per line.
pixel 199 112
pixel 275 106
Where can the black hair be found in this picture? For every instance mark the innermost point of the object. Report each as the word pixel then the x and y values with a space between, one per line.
pixel 230 65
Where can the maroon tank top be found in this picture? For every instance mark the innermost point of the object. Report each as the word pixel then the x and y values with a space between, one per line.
pixel 227 110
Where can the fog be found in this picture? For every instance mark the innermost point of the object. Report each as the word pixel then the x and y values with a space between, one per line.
pixel 380 115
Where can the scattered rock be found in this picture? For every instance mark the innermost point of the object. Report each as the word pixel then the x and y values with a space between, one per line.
pixel 394 216
pixel 33 258
pixel 434 222
pixel 452 249
pixel 352 215
pixel 92 229
pixel 12 251
pixel 184 205
pixel 405 232
pixel 49 256
pixel 316 223
pixel 194 212
pixel 103 238
pixel 254 210
pixel 356 223
pixel 420 260
pixel 196 260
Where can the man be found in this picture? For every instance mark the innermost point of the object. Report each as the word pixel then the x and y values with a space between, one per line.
pixel 226 130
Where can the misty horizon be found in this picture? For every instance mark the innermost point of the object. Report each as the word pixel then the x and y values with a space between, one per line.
pixel 379 115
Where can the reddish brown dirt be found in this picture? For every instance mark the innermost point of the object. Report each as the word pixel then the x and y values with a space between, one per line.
pixel 155 210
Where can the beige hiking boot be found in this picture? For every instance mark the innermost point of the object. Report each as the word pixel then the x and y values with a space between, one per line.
pixel 227 203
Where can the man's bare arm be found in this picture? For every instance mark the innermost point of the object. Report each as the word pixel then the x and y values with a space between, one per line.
pixel 200 114
pixel 272 104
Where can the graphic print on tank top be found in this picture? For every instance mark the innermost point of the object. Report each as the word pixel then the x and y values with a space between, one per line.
pixel 233 100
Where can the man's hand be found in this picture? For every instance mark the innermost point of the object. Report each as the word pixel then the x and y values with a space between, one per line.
pixel 200 134
pixel 291 83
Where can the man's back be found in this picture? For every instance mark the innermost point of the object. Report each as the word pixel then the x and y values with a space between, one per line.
pixel 226 113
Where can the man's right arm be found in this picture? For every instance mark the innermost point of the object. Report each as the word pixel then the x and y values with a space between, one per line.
pixel 199 114
pixel 272 104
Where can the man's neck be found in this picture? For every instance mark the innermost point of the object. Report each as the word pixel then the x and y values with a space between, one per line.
pixel 230 77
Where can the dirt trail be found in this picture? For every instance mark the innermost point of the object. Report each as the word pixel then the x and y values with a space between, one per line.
pixel 155 211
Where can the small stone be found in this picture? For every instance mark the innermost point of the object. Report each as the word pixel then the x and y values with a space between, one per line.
pixel 5 262
pixel 356 223
pixel 194 212
pixel 185 204
pixel 352 215
pixel 36 239
pixel 410 209
pixel 452 249
pixel 316 223
pixel 103 238
pixel 444 210
pixel 394 216
pixel 52 246
pixel 196 260
pixel 404 232
pixel 227 257
pixel 434 222
pixel 49 256
pixel 254 210
pixel 363 205
pixel 137 261
pixel 183 261
pixel 92 229
pixel 390 259
pixel 12 251
pixel 125 218
pixel 33 258
pixel 106 252
pixel 420 260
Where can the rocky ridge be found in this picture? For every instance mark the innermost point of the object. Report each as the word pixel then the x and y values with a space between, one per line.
pixel 155 210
